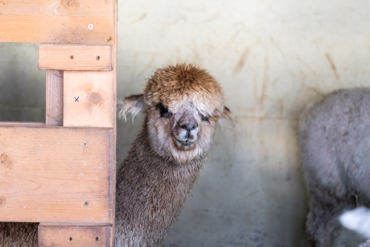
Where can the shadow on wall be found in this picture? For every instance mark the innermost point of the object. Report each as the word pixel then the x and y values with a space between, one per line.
pixel 22 84
pixel 242 209
pixel 263 216
pixel 126 134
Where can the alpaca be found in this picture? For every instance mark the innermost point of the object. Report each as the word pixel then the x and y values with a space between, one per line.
pixel 334 139
pixel 183 104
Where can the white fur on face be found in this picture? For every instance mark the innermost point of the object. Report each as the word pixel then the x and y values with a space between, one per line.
pixel 185 125
pixel 357 220
pixel 170 136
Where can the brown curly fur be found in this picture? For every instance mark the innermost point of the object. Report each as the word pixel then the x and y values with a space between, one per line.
pixel 172 85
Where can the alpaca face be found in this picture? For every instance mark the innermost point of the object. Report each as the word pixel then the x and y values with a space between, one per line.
pixel 183 104
pixel 183 133
pixel 185 124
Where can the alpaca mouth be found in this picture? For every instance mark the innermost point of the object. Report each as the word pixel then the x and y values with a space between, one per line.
pixel 187 143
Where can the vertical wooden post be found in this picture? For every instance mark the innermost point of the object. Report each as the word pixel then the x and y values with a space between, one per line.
pixel 54 98
pixel 114 65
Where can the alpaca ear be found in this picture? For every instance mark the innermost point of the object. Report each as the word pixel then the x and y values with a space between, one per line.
pixel 226 114
pixel 133 104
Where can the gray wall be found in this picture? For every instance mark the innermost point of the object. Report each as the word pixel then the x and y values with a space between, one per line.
pixel 272 57
pixel 22 84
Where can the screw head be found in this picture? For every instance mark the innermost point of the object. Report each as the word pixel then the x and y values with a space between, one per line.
pixel 91 26
pixel 98 58
pixel 71 56
pixel 85 144
pixel 96 239
pixel 70 238
pixel 86 203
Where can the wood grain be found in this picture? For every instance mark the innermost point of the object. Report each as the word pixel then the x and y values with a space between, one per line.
pixel 75 57
pixel 114 119
pixel 56 174
pixel 57 21
pixel 88 99
pixel 54 98
pixel 74 235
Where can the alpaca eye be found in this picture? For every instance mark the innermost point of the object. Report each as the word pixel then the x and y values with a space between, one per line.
pixel 163 111
pixel 204 118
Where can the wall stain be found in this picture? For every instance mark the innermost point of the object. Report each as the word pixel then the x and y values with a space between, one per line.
pixel 142 17
pixel 303 63
pixel 243 58
pixel 264 82
pixel 281 107
pixel 277 47
pixel 182 18
pixel 315 90
pixel 331 62
pixel 233 38
pixel 215 17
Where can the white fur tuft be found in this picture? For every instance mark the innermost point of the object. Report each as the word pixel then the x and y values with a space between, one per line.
pixel 357 220
pixel 121 112
pixel 125 109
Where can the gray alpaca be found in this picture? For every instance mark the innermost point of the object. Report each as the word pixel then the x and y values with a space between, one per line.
pixel 334 139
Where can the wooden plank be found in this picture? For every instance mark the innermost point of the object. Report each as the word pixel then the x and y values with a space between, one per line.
pixel 57 21
pixel 88 99
pixel 75 57
pixel 74 235
pixel 114 72
pixel 54 98
pixel 56 174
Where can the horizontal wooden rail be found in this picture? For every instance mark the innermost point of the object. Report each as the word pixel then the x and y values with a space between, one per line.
pixel 58 21
pixel 74 235
pixel 75 57
pixel 56 174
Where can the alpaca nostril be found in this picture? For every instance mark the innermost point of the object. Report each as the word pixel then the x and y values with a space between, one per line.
pixel 188 127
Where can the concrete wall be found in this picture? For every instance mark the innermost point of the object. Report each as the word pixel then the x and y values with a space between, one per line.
pixel 22 84
pixel 272 57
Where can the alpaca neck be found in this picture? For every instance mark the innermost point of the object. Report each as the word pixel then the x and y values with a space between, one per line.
pixel 151 191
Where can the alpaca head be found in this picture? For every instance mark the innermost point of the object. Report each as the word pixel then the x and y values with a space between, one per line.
pixel 183 104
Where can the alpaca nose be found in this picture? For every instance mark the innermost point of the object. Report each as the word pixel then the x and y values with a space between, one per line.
pixel 186 131
pixel 189 127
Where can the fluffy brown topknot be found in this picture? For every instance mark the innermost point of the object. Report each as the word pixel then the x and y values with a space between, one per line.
pixel 172 85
